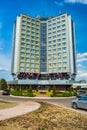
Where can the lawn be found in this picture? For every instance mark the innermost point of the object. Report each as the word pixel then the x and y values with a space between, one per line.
pixel 5 104
pixel 48 117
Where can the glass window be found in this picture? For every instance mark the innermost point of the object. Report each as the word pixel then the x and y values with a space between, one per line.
pixel 63 30
pixel 63 39
pixel 63 34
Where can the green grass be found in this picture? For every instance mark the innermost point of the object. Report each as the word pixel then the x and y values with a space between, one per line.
pixel 4 104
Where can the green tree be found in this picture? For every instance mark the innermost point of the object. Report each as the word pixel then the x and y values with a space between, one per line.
pixel 70 89
pixel 3 84
pixel 37 88
pixel 54 91
pixel 30 92
pixel 49 88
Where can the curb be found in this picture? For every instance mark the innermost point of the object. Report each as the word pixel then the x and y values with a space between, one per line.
pixel 42 97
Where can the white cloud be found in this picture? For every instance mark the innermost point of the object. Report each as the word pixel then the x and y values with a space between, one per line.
pixel 5 62
pixel 5 66
pixel 79 65
pixel 76 1
pixel 59 4
pixel 81 75
pixel 3 69
pixel 81 57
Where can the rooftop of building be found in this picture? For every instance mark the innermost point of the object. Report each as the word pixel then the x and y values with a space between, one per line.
pixel 44 17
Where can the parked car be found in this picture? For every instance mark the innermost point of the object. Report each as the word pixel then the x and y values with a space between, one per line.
pixel 80 103
pixel 81 93
pixel 6 92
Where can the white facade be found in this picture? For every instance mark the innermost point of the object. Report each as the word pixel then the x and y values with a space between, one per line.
pixel 59 36
pixel 61 45
pixel 16 46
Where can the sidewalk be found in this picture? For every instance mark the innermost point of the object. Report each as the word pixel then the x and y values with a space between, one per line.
pixel 21 109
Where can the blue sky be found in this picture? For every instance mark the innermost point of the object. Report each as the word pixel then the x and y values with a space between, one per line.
pixel 9 9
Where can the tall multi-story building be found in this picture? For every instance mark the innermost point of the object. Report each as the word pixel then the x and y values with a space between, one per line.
pixel 44 48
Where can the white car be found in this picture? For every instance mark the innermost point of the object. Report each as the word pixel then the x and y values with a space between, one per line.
pixel 80 103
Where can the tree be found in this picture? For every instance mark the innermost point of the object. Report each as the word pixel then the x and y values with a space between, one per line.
pixel 49 88
pixel 3 84
pixel 54 91
pixel 70 89
pixel 30 92
pixel 37 88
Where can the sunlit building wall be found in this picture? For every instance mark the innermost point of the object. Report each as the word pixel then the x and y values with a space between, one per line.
pixel 44 45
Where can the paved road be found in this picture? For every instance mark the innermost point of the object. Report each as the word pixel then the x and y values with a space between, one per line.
pixel 61 101
pixel 65 102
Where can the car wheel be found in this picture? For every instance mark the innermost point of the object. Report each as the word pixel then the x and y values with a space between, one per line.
pixel 74 105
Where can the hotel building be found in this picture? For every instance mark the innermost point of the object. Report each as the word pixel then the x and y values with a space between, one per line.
pixel 44 50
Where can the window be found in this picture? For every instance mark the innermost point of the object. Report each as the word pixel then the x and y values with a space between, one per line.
pixel 63 39
pixel 63 34
pixel 64 58
pixel 54 36
pixel 64 48
pixel 63 30
pixel 64 43
pixel 59 40
pixel 54 24
pixel 54 28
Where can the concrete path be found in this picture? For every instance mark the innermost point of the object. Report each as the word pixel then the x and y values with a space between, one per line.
pixel 21 109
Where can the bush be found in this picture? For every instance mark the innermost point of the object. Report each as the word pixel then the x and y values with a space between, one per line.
pixel 54 91
pixel 70 89
pixel 30 92
pixel 16 93
pixel 74 93
pixel 49 88
pixel 66 94
pixel 37 88
pixel 59 95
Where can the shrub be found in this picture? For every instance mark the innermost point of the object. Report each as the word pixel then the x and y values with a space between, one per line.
pixel 37 88
pixel 74 93
pixel 17 88
pixel 30 92
pixel 59 95
pixel 16 93
pixel 66 94
pixel 54 91
pixel 70 89
pixel 49 88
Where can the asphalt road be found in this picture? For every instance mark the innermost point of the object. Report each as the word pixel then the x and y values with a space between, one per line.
pixel 64 102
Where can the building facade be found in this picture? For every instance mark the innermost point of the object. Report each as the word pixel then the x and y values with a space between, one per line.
pixel 44 48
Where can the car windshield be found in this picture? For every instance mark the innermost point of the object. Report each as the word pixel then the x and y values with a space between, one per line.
pixel 81 92
pixel 83 98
